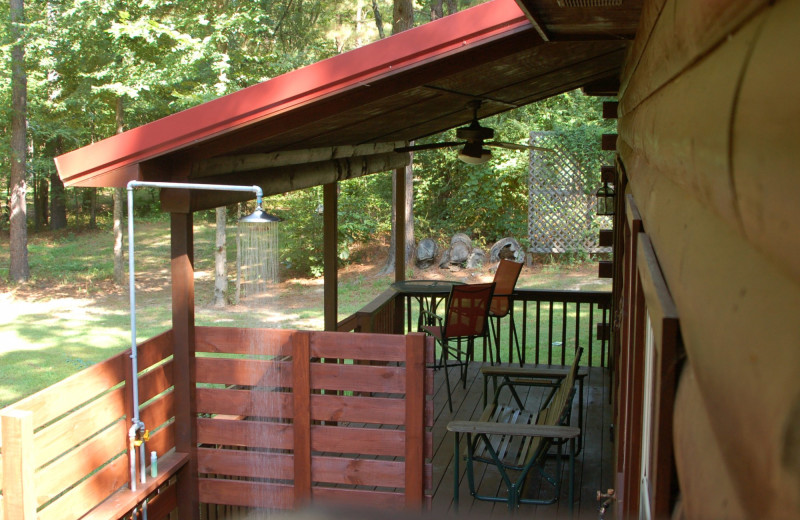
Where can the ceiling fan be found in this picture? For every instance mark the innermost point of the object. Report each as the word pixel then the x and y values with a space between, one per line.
pixel 474 139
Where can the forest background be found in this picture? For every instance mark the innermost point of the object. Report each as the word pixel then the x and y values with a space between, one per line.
pixel 88 69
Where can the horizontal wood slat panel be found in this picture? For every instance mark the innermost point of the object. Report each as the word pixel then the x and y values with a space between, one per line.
pixel 251 403
pixel 358 378
pixel 155 381
pixel 246 372
pixel 232 340
pixel 242 463
pixel 329 376
pixel 73 429
pixel 162 440
pixel 244 493
pixel 367 441
pixel 155 350
pixel 86 495
pixel 160 506
pixel 80 462
pixel 359 497
pixel 358 346
pixel 62 397
pixel 357 409
pixel 158 411
pixel 255 434
pixel 328 469
pixel 324 407
pixel 358 472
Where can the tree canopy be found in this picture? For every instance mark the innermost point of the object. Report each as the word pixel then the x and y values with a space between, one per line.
pixel 86 58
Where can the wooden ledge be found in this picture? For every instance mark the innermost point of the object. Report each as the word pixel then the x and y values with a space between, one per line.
pixel 525 430
pixel 123 500
pixel 547 373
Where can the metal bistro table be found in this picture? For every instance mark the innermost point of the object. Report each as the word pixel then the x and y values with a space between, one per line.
pixel 428 293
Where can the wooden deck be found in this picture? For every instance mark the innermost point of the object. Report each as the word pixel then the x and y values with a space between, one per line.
pixel 593 467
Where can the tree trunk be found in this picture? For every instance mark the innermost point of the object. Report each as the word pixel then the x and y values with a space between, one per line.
pixel 436 10
pixel 41 203
pixel 409 214
pixel 378 19
pixel 19 270
pixel 221 260
pixel 402 19
pixel 402 16
pixel 58 202
pixel 92 208
pixel 452 6
pixel 118 197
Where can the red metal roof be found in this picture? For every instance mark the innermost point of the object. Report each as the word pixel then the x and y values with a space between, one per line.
pixel 403 87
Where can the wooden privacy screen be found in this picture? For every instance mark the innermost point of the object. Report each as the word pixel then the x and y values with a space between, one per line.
pixel 277 427
pixel 65 448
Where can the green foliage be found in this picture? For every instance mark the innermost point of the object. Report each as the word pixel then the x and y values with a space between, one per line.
pixel 364 209
pixel 490 201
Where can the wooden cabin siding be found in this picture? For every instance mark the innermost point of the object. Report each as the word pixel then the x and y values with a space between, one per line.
pixel 708 134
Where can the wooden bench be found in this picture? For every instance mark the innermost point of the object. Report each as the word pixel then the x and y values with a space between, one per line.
pixel 124 500
pixel 549 377
pixel 514 439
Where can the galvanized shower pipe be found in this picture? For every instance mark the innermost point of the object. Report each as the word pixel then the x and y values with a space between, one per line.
pixel 137 427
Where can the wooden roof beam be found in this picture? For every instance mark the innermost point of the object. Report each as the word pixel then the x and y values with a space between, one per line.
pixel 232 164
pixel 535 21
pixel 281 179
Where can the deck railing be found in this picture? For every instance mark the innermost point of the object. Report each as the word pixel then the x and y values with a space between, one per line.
pixel 65 448
pixel 379 316
pixel 549 324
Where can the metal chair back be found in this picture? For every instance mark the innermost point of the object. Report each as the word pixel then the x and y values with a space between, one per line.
pixel 468 310
pixel 505 278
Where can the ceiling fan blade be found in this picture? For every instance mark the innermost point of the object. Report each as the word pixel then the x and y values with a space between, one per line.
pixel 428 146
pixel 514 146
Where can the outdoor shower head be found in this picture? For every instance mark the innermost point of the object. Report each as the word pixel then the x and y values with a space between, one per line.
pixel 259 216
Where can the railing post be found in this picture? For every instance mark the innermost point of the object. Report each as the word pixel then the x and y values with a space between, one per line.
pixel 415 420
pixel 19 493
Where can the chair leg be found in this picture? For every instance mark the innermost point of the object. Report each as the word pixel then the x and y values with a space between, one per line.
pixel 496 330
pixel 447 377
pixel 512 335
pixel 455 471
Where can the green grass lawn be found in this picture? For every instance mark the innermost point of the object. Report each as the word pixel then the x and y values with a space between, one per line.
pixel 70 315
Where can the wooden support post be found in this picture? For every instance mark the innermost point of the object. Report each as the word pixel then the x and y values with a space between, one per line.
pixel 606 238
pixel 184 360
pixel 19 493
pixel 610 109
pixel 400 224
pixel 609 142
pixel 605 269
pixel 301 393
pixel 400 242
pixel 415 420
pixel 608 173
pixel 330 203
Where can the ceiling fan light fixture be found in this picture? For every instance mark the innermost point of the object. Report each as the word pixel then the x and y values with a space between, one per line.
pixel 474 153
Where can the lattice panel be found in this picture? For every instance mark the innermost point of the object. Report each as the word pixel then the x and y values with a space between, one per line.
pixel 561 207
